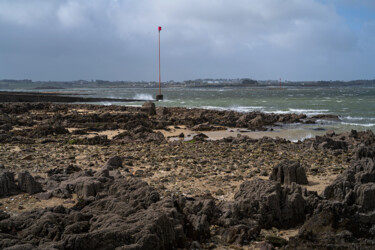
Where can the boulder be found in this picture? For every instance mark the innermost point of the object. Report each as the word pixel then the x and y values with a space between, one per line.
pixel 114 163
pixel 257 122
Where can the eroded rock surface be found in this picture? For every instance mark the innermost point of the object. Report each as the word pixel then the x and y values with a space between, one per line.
pixel 346 217
pixel 288 172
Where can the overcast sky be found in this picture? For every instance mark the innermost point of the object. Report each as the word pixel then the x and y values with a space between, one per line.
pixel 118 39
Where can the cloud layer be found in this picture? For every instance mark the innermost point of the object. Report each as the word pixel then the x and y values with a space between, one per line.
pixel 117 40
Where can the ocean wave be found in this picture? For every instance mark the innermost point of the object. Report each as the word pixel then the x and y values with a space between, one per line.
pixel 308 112
pixel 355 118
pixel 143 96
pixel 359 124
pixel 308 136
pixel 241 109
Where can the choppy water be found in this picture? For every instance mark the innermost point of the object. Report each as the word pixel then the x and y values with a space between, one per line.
pixel 354 105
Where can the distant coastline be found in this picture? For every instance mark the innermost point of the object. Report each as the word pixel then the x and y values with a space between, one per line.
pixel 197 83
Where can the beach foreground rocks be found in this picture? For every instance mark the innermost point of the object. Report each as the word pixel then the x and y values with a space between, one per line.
pixel 345 218
pixel 85 176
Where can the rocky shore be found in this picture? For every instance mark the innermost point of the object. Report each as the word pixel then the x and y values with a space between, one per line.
pixel 6 96
pixel 107 177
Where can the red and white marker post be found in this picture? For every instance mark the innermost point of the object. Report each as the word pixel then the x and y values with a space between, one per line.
pixel 159 96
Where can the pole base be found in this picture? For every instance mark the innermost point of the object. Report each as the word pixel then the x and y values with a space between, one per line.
pixel 159 97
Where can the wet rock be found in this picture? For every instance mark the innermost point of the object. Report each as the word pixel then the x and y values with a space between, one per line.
pixel 27 183
pixel 200 137
pixel 288 172
pixel 149 108
pixel 276 240
pixel 7 184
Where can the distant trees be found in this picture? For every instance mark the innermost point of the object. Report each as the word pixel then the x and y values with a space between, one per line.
pixel 248 81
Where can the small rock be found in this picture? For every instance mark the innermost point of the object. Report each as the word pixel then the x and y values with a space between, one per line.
pixel 276 240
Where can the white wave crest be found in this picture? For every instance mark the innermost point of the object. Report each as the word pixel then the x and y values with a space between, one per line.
pixel 358 124
pixel 143 96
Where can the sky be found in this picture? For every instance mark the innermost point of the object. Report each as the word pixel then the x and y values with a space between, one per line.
pixel 66 40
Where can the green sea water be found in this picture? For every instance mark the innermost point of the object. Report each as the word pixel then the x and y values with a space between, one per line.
pixel 355 105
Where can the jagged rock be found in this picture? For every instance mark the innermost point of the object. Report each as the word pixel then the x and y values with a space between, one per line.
pixel 345 219
pixel 162 111
pixel 27 183
pixel 269 204
pixel 364 152
pixel 289 171
pixel 257 122
pixel 141 129
pixel 129 217
pixel 149 108
pixel 365 195
pixel 199 213
pixel 114 163
pixel 324 142
pixel 7 184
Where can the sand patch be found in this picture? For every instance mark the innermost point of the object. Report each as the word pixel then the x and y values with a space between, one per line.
pixel 24 202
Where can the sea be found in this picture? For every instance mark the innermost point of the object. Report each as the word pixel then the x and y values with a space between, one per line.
pixel 355 105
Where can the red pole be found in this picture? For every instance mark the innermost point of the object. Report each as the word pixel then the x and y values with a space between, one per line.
pixel 159 62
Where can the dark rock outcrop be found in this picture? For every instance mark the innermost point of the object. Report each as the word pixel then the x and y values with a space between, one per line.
pixel 7 183
pixel 149 108
pixel 269 204
pixel 27 183
pixel 114 163
pixel 346 217
pixel 288 172
pixel 130 216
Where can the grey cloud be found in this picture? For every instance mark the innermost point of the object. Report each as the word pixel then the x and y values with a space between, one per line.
pixel 100 39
